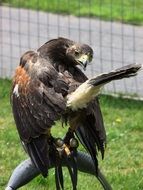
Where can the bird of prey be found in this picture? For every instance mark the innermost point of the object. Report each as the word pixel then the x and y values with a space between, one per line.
pixel 48 85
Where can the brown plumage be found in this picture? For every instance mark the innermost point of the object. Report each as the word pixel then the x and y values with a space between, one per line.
pixel 90 127
pixel 48 86
pixel 40 86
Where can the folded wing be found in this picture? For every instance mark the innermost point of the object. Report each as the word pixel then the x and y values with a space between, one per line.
pixel 37 102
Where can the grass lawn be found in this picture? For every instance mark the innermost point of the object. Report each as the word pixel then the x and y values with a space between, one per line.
pixel 122 165
pixel 128 11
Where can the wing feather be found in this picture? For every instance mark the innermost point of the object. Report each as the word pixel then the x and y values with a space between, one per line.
pixel 37 102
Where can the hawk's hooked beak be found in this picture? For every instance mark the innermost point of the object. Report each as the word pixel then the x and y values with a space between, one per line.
pixel 83 60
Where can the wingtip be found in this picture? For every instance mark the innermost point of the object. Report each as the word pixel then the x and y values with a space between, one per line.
pixel 139 65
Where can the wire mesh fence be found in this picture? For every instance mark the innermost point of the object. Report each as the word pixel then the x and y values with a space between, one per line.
pixel 27 25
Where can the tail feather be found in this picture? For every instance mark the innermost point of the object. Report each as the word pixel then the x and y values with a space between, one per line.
pixel 87 143
pixel 38 152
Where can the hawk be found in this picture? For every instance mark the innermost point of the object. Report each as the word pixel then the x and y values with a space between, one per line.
pixel 48 85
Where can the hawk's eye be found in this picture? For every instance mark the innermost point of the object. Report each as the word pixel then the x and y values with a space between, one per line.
pixel 76 53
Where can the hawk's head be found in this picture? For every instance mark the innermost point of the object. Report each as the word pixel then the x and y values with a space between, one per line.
pixel 62 50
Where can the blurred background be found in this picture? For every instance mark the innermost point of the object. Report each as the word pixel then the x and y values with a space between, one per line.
pixel 114 29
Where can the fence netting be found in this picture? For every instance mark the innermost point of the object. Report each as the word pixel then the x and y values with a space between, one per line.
pixel 115 43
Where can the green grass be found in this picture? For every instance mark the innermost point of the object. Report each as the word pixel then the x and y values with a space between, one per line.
pixel 123 158
pixel 128 11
